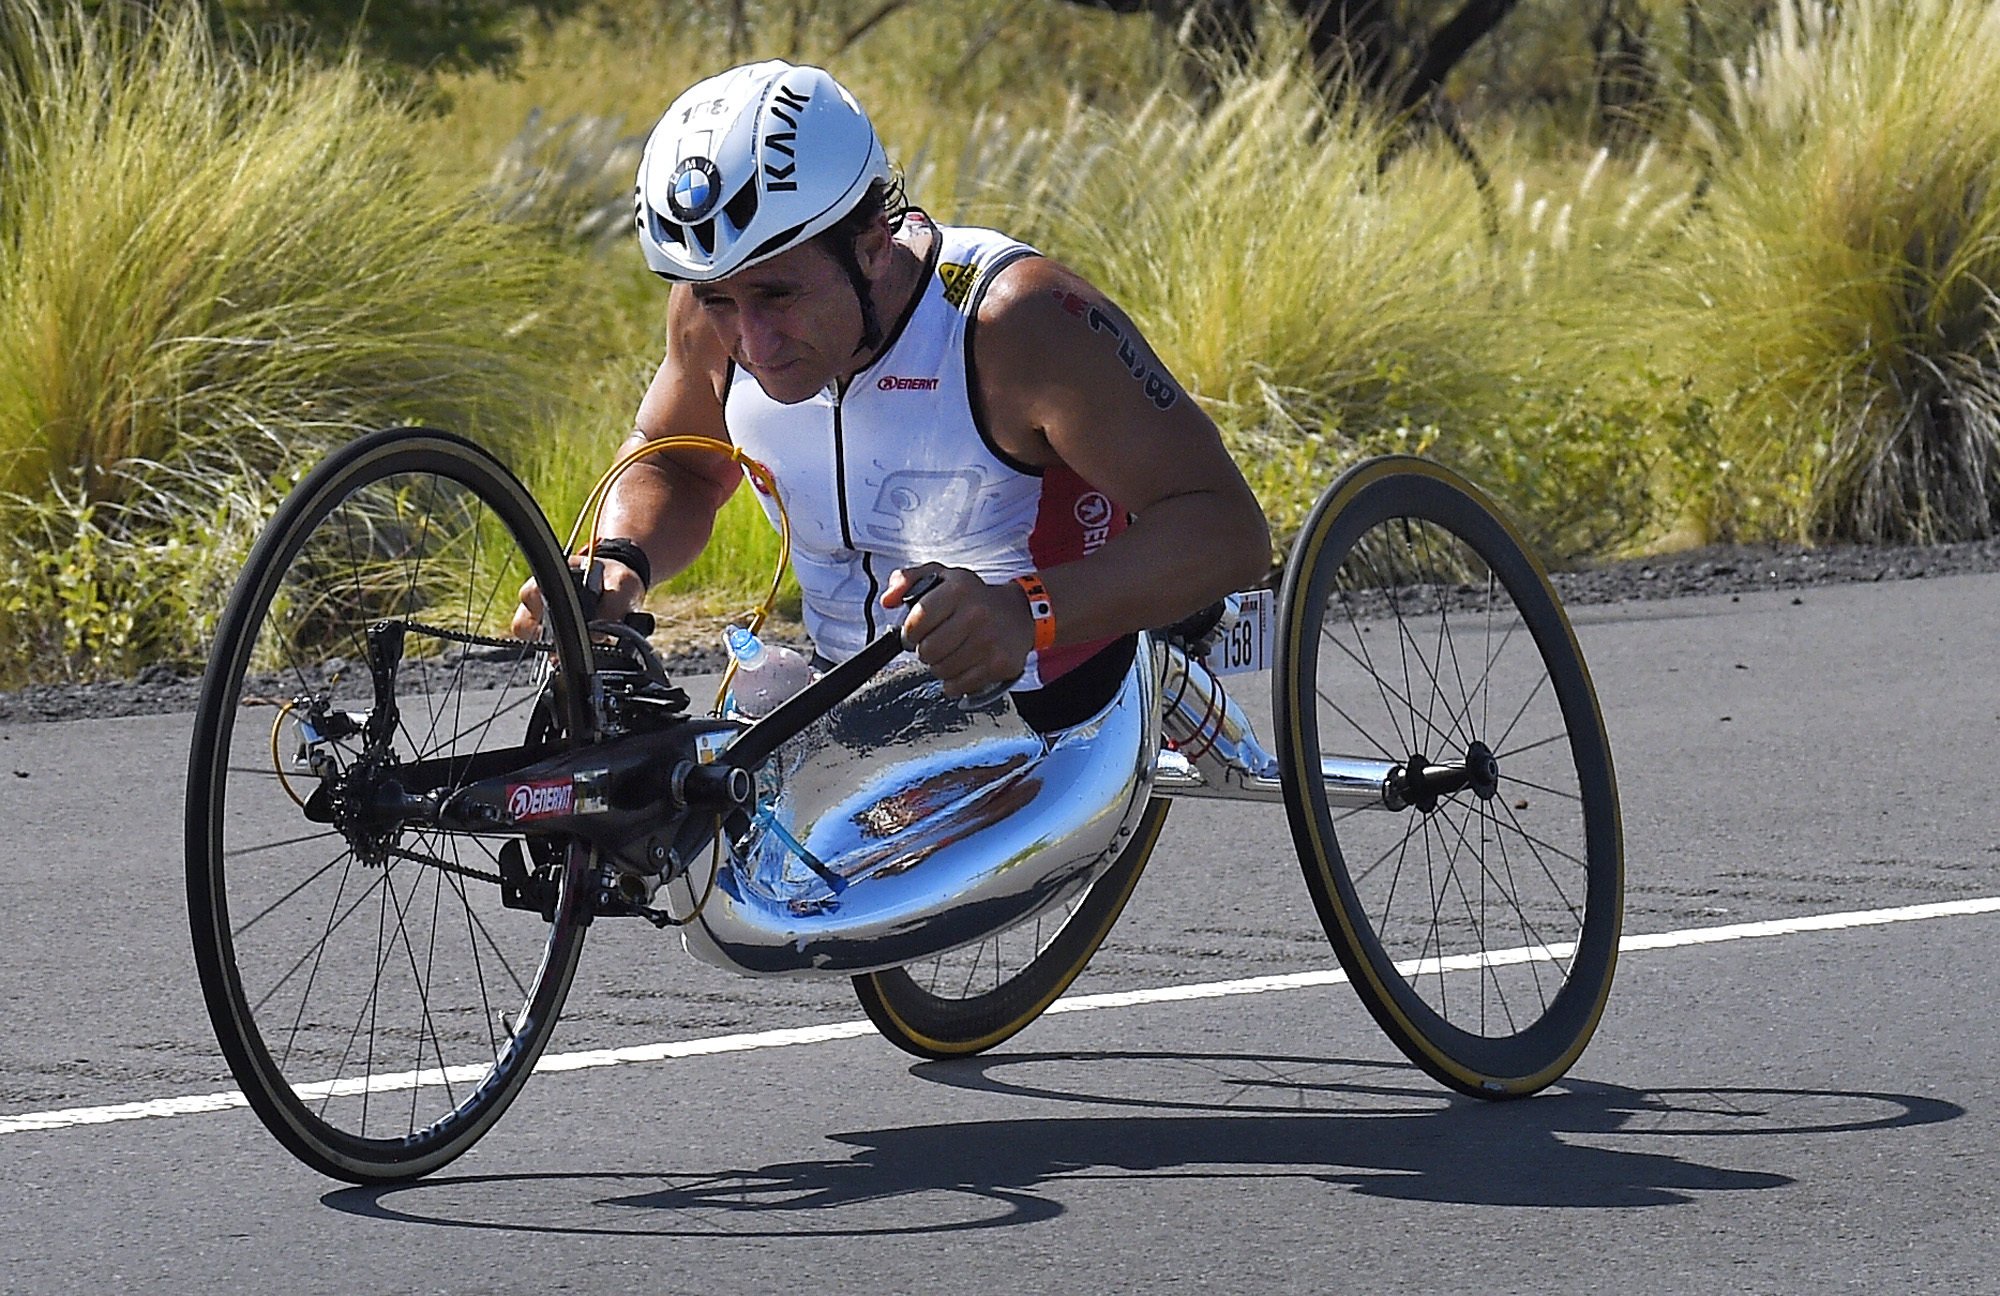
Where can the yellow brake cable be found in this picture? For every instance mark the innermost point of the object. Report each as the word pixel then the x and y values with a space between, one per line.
pixel 593 510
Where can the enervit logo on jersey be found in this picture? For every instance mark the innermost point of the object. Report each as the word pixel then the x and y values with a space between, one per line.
pixel 1093 513
pixel 889 382
pixel 527 801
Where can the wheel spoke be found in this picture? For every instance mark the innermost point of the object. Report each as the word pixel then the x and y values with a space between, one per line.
pixel 1566 794
pixel 1528 747
pixel 368 944
pixel 244 852
pixel 1485 685
pixel 273 907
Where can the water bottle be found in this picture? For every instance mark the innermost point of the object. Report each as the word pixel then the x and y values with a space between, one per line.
pixel 766 674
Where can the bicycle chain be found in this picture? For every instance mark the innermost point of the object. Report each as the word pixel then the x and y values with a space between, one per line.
pixel 479 641
pixel 447 866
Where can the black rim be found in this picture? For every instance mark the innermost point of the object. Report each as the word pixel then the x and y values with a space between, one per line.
pixel 377 1002
pixel 1480 922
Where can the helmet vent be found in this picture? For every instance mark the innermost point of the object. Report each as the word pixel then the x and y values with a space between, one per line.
pixel 743 207
pixel 663 231
pixel 779 240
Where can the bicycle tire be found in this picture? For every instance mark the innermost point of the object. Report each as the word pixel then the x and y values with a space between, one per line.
pixel 1516 880
pixel 380 1056
pixel 944 1017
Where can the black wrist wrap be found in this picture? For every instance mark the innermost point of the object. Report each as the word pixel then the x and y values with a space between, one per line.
pixel 626 550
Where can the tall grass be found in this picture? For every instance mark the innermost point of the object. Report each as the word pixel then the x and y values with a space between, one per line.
pixel 557 141
pixel 209 272
pixel 1780 322
pixel 1325 305
pixel 1264 254
pixel 1568 425
pixel 1839 307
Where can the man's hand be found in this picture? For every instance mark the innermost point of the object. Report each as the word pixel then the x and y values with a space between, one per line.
pixel 623 592
pixel 972 635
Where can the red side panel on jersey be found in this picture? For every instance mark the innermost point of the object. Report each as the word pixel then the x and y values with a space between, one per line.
pixel 1072 521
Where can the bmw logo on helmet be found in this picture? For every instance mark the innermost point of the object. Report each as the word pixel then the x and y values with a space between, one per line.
pixel 694 189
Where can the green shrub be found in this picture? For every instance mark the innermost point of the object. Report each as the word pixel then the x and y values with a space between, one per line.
pixel 1783 324
pixel 1264 254
pixel 210 271
pixel 1324 306
pixel 556 143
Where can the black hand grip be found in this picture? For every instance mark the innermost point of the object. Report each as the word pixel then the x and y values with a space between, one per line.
pixel 589 580
pixel 921 588
pixel 590 590
pixel 825 693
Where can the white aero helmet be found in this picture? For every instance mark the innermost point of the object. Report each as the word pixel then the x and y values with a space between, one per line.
pixel 748 164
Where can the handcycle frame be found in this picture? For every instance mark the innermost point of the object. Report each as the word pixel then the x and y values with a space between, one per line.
pixel 616 789
pixel 624 794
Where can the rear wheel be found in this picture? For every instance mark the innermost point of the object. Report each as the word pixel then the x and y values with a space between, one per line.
pixel 1479 920
pixel 970 999
pixel 377 1001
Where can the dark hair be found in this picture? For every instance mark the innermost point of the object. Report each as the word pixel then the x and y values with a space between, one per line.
pixel 884 199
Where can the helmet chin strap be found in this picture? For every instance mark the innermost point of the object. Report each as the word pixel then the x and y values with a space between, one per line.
pixel 871 323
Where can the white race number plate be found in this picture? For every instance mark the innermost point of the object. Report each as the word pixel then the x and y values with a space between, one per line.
pixel 1247 646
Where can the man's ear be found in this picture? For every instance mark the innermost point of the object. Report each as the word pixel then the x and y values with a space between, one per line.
pixel 873 248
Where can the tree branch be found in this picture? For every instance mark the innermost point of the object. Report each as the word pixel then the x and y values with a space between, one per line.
pixel 1451 44
pixel 867 24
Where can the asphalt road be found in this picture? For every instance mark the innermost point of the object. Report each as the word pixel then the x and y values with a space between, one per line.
pixel 1772 1104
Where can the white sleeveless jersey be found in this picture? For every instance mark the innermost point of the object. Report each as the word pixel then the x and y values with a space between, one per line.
pixel 898 469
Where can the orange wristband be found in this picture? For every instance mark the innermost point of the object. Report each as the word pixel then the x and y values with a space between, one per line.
pixel 1041 609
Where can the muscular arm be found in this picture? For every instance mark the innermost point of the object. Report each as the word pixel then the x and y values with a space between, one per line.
pixel 667 501
pixel 1066 377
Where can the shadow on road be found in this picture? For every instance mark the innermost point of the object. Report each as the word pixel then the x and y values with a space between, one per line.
pixel 1362 1126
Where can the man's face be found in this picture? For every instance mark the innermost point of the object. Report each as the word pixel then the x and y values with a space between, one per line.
pixel 793 322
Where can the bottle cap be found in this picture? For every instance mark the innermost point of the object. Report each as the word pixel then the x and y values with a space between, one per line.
pixel 744 646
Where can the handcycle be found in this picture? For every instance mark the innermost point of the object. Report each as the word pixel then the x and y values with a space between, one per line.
pixel 401 825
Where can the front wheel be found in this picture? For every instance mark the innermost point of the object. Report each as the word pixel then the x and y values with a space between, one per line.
pixel 378 1002
pixel 971 999
pixel 1476 907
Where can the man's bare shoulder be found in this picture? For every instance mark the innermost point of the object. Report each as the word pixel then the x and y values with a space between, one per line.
pixel 1033 316
pixel 692 343
pixel 1047 327
pixel 1028 295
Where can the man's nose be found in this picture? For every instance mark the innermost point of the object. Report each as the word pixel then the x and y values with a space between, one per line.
pixel 758 335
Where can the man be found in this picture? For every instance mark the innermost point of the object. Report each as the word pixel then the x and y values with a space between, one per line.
pixel 929 400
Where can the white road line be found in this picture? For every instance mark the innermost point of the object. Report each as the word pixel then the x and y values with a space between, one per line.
pixel 196 1104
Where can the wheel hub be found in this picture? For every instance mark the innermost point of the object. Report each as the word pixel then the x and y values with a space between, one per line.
pixel 1482 770
pixel 1417 782
pixel 367 804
